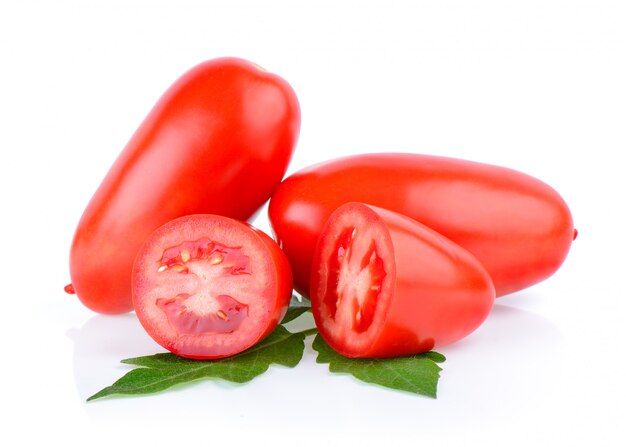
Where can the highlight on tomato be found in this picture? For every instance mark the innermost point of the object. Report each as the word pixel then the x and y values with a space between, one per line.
pixel 517 226
pixel 218 141
pixel 207 286
pixel 384 285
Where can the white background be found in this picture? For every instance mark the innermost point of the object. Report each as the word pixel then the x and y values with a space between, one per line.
pixel 539 86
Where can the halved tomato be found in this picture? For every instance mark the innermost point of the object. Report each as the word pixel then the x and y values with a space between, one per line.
pixel 207 286
pixel 384 285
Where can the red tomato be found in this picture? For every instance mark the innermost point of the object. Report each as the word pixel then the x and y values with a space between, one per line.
pixel 384 285
pixel 517 226
pixel 218 141
pixel 207 286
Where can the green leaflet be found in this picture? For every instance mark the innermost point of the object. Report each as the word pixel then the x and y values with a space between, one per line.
pixel 293 313
pixel 296 308
pixel 161 371
pixel 416 373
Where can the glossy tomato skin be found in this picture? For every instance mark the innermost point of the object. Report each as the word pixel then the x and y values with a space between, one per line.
pixel 218 141
pixel 207 286
pixel 517 226
pixel 401 288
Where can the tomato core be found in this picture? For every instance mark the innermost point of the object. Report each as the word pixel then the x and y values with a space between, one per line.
pixel 204 309
pixel 355 278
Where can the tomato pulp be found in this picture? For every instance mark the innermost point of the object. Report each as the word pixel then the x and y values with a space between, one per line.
pixel 518 227
pixel 384 285
pixel 218 141
pixel 207 286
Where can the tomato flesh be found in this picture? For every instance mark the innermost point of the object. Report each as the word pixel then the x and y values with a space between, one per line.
pixel 384 285
pixel 358 272
pixel 207 286
pixel 213 253
pixel 200 311
pixel 224 314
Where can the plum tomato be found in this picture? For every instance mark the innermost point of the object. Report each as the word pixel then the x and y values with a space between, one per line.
pixel 218 141
pixel 207 286
pixel 518 227
pixel 384 285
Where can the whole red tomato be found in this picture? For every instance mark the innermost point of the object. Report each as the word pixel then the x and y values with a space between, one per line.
pixel 385 285
pixel 218 141
pixel 207 286
pixel 517 226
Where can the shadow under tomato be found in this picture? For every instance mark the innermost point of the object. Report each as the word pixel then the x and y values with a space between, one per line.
pixel 512 360
pixel 508 327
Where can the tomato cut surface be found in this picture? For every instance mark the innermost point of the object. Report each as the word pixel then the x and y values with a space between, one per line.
pixel 384 285
pixel 356 274
pixel 207 286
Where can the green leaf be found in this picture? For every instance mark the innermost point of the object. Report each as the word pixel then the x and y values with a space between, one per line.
pixel 161 371
pixel 296 308
pixel 416 373
pixel 293 313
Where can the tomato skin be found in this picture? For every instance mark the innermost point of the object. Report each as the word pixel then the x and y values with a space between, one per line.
pixel 267 286
pixel 433 291
pixel 517 226
pixel 283 280
pixel 218 141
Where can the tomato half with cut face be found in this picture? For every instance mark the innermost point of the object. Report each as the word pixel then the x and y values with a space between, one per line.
pixel 518 227
pixel 207 286
pixel 384 285
pixel 218 141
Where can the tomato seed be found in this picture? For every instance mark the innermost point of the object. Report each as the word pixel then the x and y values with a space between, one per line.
pixel 185 256
pixel 217 259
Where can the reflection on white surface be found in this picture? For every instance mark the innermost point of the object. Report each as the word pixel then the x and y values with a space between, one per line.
pixel 493 364
pixel 480 362
pixel 101 343
pixel 511 369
